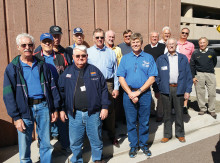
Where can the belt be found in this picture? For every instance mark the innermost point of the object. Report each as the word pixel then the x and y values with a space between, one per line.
pixel 110 80
pixel 83 110
pixel 133 89
pixel 173 85
pixel 32 101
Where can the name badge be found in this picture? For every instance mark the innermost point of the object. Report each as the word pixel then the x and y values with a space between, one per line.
pixel 164 68
pixel 83 88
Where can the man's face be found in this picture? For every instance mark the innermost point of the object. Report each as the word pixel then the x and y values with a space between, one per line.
pixel 127 38
pixel 184 34
pixel 154 38
pixel 57 39
pixel 171 46
pixel 136 45
pixel 26 47
pixel 110 38
pixel 80 58
pixel 99 39
pixel 203 43
pixel 78 38
pixel 166 35
pixel 47 44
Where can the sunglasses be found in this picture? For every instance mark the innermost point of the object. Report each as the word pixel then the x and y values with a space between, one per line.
pixel 83 56
pixel 127 36
pixel 29 45
pixel 99 37
pixel 185 33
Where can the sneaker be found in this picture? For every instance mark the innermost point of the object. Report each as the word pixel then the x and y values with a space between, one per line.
pixel 146 151
pixel 133 152
pixel 185 110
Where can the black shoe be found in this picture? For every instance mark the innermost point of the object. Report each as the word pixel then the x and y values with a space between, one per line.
pixel 146 151
pixel 115 142
pixel 133 152
pixel 185 110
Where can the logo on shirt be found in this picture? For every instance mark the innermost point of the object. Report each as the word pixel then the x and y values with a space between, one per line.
pixel 209 56
pixel 145 64
pixel 68 75
pixel 93 73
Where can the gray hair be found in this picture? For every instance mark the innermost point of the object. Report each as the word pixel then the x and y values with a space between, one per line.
pixel 155 32
pixel 171 39
pixel 166 28
pixel 18 38
pixel 81 48
pixel 138 36
pixel 106 33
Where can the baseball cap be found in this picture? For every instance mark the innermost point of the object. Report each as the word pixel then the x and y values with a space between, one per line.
pixel 46 35
pixel 77 30
pixel 55 30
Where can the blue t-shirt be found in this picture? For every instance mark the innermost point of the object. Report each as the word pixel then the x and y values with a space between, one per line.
pixel 50 63
pixel 32 78
pixel 137 69
pixel 125 49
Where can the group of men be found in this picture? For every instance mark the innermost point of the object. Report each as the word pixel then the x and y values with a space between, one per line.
pixel 80 86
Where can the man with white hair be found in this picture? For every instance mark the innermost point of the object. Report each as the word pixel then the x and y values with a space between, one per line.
pixel 30 95
pixel 175 84
pixel 85 95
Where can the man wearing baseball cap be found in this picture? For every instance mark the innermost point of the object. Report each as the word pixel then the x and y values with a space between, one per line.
pixel 56 32
pixel 78 39
pixel 57 64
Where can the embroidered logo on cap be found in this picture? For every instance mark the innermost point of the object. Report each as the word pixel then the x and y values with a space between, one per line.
pixel 56 28
pixel 78 29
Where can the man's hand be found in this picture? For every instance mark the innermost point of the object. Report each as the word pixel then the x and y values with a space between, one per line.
pixel 132 95
pixel 19 124
pixel 195 81
pixel 103 114
pixel 63 116
pixel 135 100
pixel 186 96
pixel 54 116
pixel 115 93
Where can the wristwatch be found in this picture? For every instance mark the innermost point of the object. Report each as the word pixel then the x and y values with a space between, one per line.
pixel 139 90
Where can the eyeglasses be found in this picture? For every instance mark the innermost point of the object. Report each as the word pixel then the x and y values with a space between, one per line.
pixel 83 56
pixel 127 36
pixel 99 37
pixel 185 33
pixel 29 45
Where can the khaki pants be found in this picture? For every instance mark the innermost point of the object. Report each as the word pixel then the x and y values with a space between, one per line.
pixel 208 80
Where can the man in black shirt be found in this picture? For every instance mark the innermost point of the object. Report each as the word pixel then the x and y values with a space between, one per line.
pixel 203 62
pixel 156 49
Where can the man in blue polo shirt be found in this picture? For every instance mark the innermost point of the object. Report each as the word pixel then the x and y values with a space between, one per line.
pixel 30 95
pixel 137 72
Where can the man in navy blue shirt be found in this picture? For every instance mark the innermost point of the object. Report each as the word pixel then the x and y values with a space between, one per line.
pixel 137 72
pixel 30 95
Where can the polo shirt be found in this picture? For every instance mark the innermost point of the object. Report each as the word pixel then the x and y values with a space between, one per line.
pixel 32 79
pixel 187 48
pixel 137 69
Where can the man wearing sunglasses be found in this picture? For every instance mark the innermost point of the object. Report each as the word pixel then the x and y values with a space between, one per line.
pixel 85 95
pixel 30 95
pixel 105 59
pixel 186 48
pixel 126 45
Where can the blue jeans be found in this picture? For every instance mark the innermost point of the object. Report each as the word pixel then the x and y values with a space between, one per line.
pixel 54 129
pixel 78 124
pixel 40 114
pixel 142 111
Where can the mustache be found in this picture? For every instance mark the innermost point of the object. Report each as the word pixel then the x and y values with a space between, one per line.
pixel 27 50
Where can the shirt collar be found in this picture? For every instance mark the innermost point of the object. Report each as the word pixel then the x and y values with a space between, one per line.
pixel 168 54
pixel 204 51
pixel 153 46
pixel 140 54
pixel 186 42
pixel 103 49
pixel 26 65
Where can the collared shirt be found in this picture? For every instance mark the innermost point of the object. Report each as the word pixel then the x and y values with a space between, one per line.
pixel 162 41
pixel 49 60
pixel 118 53
pixel 174 70
pixel 105 60
pixel 32 78
pixel 125 49
pixel 204 51
pixel 137 69
pixel 153 46
pixel 187 48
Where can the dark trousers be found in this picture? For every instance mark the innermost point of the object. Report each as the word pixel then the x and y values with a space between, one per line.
pixel 177 101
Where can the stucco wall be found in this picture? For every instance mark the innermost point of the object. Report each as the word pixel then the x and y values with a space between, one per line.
pixel 36 16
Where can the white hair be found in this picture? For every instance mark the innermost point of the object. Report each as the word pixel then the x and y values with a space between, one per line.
pixel 166 28
pixel 106 33
pixel 171 39
pixel 18 38
pixel 155 32
pixel 81 48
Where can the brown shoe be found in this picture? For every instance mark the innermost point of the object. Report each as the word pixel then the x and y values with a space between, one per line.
pixel 164 140
pixel 201 113
pixel 182 139
pixel 213 115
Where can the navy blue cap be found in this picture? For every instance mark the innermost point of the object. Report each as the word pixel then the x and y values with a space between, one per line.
pixel 77 30
pixel 46 35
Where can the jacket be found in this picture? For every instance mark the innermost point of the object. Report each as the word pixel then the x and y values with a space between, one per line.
pixel 184 79
pixel 96 88
pixel 59 60
pixel 15 94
